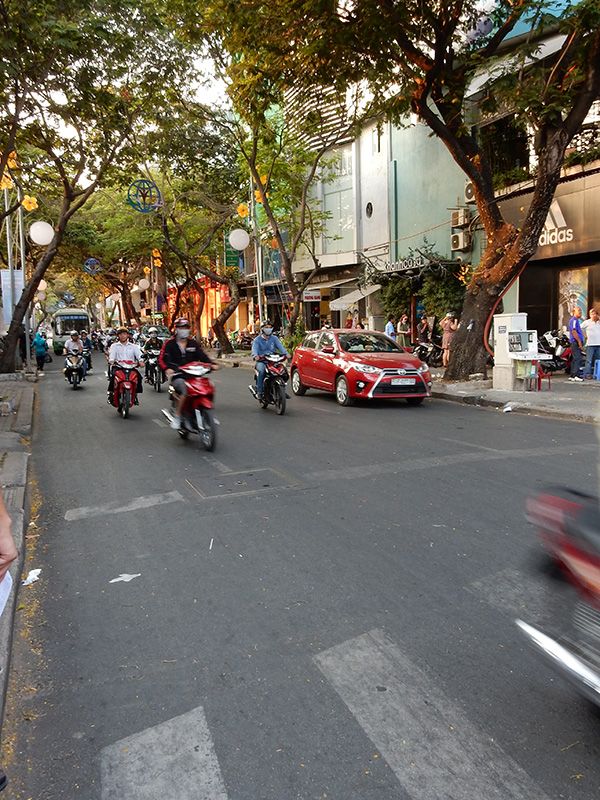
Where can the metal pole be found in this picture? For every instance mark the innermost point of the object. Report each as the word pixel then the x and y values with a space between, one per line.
pixel 9 252
pixel 257 256
pixel 29 314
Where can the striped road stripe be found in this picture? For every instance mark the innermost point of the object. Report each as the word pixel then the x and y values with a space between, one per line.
pixel 173 760
pixel 429 743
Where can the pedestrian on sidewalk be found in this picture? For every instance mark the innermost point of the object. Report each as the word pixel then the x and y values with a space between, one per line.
pixel 576 339
pixel 390 328
pixel 591 329
pixel 403 332
pixel 448 325
pixel 41 350
pixel 423 329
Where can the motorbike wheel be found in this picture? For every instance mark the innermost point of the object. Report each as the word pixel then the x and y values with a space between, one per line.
pixel 126 402
pixel 183 433
pixel 280 400
pixel 297 387
pixel 156 379
pixel 74 380
pixel 209 434
pixel 342 392
pixel 437 358
pixel 266 395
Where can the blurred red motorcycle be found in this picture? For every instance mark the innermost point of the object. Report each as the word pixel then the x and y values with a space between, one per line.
pixel 126 386
pixel 197 415
pixel 568 524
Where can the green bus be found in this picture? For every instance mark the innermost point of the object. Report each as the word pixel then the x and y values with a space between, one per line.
pixel 66 320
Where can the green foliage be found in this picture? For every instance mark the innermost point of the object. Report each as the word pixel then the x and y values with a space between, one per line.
pixel 438 293
pixel 291 342
pixel 396 296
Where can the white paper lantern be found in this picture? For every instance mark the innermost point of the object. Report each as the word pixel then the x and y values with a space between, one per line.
pixel 144 284
pixel 41 232
pixel 239 239
pixel 41 295
pixel 42 285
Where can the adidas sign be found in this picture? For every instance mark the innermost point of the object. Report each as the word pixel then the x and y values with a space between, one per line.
pixel 555 230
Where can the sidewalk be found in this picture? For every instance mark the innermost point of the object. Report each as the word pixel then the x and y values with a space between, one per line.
pixel 565 400
pixel 16 415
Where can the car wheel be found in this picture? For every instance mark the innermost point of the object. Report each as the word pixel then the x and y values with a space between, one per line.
pixel 342 392
pixel 414 401
pixel 297 386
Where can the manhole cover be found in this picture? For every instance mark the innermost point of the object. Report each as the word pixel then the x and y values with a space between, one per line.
pixel 256 480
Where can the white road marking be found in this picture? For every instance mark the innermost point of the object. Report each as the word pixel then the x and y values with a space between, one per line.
pixel 468 444
pixel 218 465
pixel 174 759
pixel 116 508
pixel 417 464
pixel 515 594
pixel 160 423
pixel 430 744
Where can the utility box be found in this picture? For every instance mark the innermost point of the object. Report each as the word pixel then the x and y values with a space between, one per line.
pixel 504 373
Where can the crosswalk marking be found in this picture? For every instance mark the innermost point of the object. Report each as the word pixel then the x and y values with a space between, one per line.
pixel 515 594
pixel 173 760
pixel 429 743
pixel 119 508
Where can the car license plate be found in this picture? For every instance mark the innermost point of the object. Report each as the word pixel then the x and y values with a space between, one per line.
pixel 403 381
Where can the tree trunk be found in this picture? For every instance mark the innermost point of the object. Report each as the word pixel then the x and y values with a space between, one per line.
pixel 219 323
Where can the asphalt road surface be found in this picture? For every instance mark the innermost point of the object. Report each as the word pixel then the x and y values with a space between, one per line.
pixel 322 608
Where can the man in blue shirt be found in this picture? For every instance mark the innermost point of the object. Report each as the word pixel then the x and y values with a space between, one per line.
pixel 262 345
pixel 390 328
pixel 576 339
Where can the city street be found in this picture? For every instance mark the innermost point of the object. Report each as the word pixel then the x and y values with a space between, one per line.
pixel 323 607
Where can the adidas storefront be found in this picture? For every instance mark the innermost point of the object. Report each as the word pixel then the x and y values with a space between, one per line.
pixel 565 270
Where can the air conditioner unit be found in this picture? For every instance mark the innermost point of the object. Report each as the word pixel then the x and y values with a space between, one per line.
pixel 460 218
pixel 460 241
pixel 469 193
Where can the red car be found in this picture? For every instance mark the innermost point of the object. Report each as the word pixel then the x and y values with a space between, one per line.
pixel 358 363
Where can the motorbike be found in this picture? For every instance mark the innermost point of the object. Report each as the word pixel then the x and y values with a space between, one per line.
pixel 567 522
pixel 87 354
pixel 276 377
pixel 73 370
pixel 126 387
pixel 430 352
pixel 557 345
pixel 154 371
pixel 197 415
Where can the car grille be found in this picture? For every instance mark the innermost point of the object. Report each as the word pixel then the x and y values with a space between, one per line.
pixel 385 388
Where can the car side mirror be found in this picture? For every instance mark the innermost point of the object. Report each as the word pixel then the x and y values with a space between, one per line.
pixel 329 348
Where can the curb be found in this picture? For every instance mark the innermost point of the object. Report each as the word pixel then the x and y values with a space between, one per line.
pixel 14 474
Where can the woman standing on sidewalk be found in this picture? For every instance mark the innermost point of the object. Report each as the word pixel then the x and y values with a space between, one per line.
pixel 41 350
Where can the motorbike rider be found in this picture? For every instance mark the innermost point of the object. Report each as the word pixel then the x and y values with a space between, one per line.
pixel 87 345
pixel 176 352
pixel 122 350
pixel 262 346
pixel 74 346
pixel 154 342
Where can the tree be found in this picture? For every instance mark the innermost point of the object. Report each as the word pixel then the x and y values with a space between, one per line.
pixel 422 57
pixel 74 81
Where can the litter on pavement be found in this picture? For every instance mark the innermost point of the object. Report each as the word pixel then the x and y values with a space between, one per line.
pixel 34 575
pixel 126 577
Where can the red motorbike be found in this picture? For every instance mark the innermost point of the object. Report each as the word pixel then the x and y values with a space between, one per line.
pixel 126 386
pixel 197 415
pixel 568 523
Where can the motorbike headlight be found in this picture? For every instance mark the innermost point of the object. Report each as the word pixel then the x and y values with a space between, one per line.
pixel 423 368
pixel 367 369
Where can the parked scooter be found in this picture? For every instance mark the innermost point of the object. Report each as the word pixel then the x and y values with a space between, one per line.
pixel 276 377
pixel 154 371
pixel 73 370
pixel 197 415
pixel 568 525
pixel 126 387
pixel 557 345
pixel 430 352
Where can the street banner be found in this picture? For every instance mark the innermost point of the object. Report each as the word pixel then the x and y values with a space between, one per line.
pixel 8 302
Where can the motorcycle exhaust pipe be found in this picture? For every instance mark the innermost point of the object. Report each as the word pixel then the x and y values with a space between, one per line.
pixel 253 391
pixel 168 414
pixel 569 665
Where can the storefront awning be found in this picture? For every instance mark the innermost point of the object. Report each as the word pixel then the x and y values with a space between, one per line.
pixel 330 284
pixel 353 297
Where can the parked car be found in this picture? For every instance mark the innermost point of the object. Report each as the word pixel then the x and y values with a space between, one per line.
pixel 358 363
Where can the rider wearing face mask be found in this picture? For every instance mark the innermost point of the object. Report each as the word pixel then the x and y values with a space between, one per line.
pixel 262 346
pixel 176 352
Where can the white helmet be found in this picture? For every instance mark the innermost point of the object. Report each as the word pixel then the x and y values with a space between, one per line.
pixel 153 331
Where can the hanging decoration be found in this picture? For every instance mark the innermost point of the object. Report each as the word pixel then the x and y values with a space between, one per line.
pixel 144 196
pixel 92 266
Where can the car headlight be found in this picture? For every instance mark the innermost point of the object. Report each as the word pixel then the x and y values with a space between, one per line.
pixel 367 368
pixel 423 368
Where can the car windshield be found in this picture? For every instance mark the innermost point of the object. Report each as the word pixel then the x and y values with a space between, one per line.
pixel 367 343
